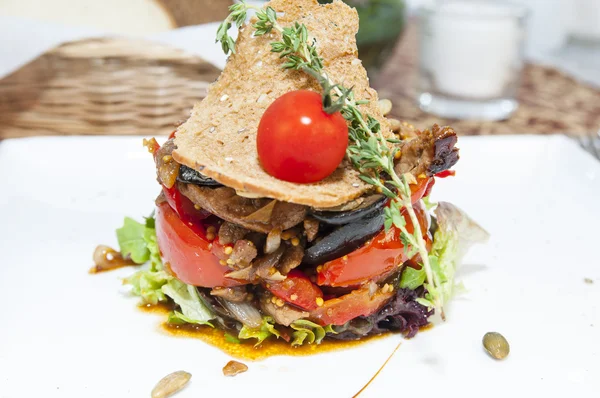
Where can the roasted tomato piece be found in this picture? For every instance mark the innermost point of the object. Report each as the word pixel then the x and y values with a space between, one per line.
pixel 187 253
pixel 378 256
pixel 360 302
pixel 297 290
pixel 184 207
pixel 421 189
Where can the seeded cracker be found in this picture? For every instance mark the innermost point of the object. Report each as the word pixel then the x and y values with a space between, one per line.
pixel 219 138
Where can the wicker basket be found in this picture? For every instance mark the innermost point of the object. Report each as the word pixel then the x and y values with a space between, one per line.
pixel 103 86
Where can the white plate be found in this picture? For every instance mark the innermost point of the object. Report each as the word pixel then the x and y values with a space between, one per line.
pixel 65 333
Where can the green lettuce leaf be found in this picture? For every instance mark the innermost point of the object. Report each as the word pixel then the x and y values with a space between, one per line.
pixel 148 285
pixel 193 309
pixel 309 332
pixel 152 246
pixel 412 278
pixel 139 242
pixel 232 339
pixel 177 318
pixel 131 241
pixel 455 235
pixel 266 330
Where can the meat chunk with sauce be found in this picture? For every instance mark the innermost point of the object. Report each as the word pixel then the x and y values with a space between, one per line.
pixel 226 204
pixel 428 152
pixel 243 253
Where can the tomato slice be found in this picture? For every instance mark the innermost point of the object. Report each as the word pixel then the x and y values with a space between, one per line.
pixel 340 310
pixel 377 257
pixel 421 189
pixel 446 173
pixel 297 290
pixel 187 253
pixel 184 207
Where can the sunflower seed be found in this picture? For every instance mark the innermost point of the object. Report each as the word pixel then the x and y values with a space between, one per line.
pixel 496 345
pixel 171 384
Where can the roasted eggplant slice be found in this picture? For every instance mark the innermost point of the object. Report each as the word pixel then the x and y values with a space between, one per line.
pixel 190 176
pixel 371 205
pixel 344 240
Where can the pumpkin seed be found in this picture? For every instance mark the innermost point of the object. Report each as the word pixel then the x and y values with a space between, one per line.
pixel 496 345
pixel 171 384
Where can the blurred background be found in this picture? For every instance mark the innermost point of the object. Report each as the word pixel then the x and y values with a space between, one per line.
pixel 137 66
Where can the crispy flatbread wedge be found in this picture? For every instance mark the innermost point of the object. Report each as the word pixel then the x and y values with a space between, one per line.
pixel 219 138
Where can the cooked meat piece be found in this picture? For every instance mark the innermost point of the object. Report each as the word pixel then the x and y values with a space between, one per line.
pixel 266 265
pixel 311 227
pixel 243 253
pixel 236 294
pixel 167 168
pixel 445 154
pixel 292 257
pixel 284 315
pixel 429 152
pixel 160 198
pixel 257 238
pixel 230 233
pixel 226 204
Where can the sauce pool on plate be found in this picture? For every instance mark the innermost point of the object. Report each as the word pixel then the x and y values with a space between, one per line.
pixel 246 350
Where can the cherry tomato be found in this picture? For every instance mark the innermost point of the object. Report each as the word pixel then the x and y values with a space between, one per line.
pixel 378 256
pixel 187 253
pixel 340 310
pixel 297 290
pixel 298 141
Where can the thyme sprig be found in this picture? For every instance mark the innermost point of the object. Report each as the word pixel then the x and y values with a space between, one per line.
pixel 369 152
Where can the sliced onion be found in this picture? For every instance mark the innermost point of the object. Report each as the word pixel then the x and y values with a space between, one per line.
pixel 372 288
pixel 361 326
pixel 243 312
pixel 244 274
pixel 273 241
pixel 263 214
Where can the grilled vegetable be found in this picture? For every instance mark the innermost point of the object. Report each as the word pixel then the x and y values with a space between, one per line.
pixel 190 176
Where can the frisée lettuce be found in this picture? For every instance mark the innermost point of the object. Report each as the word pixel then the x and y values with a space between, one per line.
pixel 456 232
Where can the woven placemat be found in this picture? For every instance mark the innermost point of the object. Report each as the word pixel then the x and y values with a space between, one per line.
pixel 117 87
pixel 103 87
pixel 550 101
